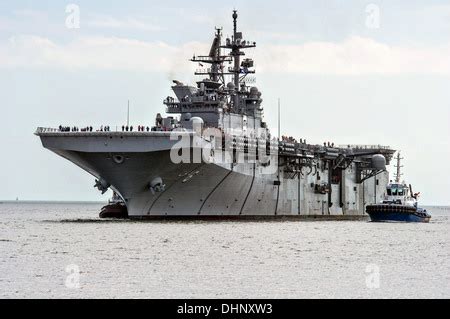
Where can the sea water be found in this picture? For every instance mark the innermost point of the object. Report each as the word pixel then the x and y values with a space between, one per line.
pixel 63 250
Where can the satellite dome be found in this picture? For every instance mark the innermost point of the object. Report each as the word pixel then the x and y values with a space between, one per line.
pixel 230 86
pixel 187 116
pixel 254 90
pixel 379 162
pixel 197 120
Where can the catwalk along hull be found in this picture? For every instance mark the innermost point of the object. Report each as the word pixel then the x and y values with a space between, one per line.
pixel 129 162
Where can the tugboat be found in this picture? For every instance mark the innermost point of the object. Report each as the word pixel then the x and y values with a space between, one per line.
pixel 399 204
pixel 116 208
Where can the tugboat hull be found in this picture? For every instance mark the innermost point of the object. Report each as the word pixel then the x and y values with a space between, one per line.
pixel 117 210
pixel 397 213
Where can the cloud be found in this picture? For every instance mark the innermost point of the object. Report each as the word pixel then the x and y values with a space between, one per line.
pixel 197 16
pixel 21 19
pixel 93 52
pixel 354 56
pixel 125 23
pixel 31 14
pixel 439 10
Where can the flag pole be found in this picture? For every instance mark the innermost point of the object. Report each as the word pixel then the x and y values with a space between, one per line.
pixel 128 114
pixel 279 129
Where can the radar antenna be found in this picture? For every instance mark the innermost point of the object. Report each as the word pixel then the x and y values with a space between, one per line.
pixel 215 59
pixel 236 44
pixel 235 95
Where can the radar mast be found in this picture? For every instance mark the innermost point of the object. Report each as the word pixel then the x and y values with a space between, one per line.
pixel 215 59
pixel 236 44
pixel 398 174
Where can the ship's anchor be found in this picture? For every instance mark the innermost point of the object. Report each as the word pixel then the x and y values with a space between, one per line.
pixel 102 185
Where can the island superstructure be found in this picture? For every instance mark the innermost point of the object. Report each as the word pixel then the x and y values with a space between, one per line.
pixel 242 170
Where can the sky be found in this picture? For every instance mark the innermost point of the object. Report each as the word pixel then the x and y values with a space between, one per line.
pixel 348 72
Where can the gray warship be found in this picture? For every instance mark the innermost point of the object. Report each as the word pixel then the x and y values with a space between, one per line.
pixel 214 156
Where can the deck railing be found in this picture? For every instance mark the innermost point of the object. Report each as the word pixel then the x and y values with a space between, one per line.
pixel 366 147
pixel 46 130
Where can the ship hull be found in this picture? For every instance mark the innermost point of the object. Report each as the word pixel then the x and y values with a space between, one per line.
pixel 130 162
pixel 398 217
pixel 397 213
